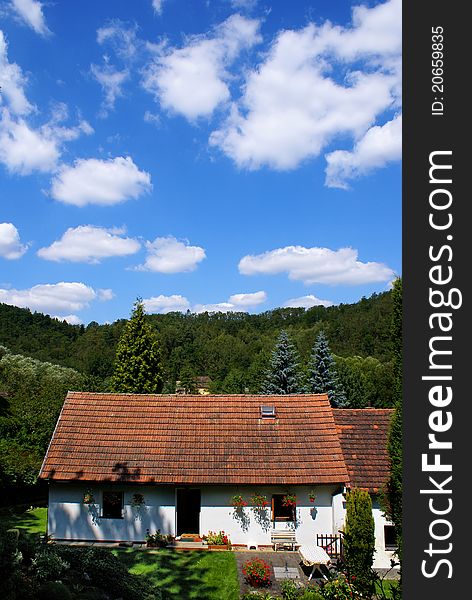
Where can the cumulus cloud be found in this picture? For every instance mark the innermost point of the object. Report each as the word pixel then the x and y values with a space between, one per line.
pixel 10 244
pixel 193 80
pixel 31 12
pixel 379 146
pixel 165 304
pixel 57 298
pixel 235 303
pixel 24 149
pixel 169 255
pixel 88 243
pixel 12 82
pixel 316 265
pixel 103 182
pixel 307 302
pixel 316 84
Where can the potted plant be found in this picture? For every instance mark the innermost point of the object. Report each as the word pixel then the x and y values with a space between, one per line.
pixel 88 497
pixel 137 500
pixel 312 496
pixel 238 501
pixel 217 540
pixel 259 500
pixel 257 572
pixel 156 540
pixel 289 500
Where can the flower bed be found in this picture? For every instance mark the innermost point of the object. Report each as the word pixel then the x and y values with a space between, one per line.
pixel 257 572
pixel 216 540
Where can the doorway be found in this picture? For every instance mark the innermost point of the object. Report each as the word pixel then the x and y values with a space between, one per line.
pixel 188 511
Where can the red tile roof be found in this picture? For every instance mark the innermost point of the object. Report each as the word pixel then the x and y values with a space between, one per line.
pixel 363 433
pixel 195 440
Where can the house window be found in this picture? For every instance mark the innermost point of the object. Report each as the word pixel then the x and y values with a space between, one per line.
pixel 279 511
pixel 112 505
pixel 389 536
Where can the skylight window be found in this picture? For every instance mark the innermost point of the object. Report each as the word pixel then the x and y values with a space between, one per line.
pixel 267 412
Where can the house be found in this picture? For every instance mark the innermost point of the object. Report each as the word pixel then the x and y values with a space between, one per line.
pixel 121 464
pixel 363 435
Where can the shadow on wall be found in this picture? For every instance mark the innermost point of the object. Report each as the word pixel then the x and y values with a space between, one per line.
pixel 77 521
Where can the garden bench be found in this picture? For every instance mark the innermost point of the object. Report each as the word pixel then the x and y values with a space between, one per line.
pixel 282 538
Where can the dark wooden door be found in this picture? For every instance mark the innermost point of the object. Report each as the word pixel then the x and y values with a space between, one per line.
pixel 188 511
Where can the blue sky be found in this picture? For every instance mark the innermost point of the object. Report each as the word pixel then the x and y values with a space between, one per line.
pixel 202 155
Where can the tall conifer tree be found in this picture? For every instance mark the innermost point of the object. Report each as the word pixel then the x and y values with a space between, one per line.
pixel 359 540
pixel 138 367
pixel 322 374
pixel 283 375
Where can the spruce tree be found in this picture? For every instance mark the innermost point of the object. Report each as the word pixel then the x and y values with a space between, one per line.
pixel 322 374
pixel 137 367
pixel 394 488
pixel 283 375
pixel 359 540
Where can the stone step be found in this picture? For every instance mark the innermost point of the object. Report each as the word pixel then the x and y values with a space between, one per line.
pixel 189 545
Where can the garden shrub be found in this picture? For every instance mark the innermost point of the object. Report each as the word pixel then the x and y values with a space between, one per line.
pixel 107 572
pixel 48 566
pixel 259 596
pixel 338 589
pixel 10 557
pixel 54 590
pixel 308 594
pixel 290 591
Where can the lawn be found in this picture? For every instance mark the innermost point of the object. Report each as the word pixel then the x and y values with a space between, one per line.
pixel 33 520
pixel 186 574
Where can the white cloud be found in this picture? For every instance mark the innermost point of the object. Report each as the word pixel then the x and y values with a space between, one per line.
pixel 23 149
pixel 193 80
pixel 150 117
pixel 379 146
pixel 56 298
pixel 111 80
pixel 235 303
pixel 31 11
pixel 316 265
pixel 252 299
pixel 10 245
pixel 157 6
pixel 103 182
pixel 169 255
pixel 90 244
pixel 165 304
pixel 71 319
pixel 307 302
pixel 316 84
pixel 121 38
pixel 12 82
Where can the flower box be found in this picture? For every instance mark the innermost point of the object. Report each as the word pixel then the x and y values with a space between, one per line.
pixel 218 547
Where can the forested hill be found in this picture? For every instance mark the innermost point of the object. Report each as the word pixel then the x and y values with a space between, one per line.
pixel 205 344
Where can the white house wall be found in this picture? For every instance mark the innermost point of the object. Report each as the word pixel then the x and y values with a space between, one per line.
pixel 217 514
pixel 70 519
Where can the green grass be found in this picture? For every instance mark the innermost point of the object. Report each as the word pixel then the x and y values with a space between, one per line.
pixel 33 520
pixel 193 575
